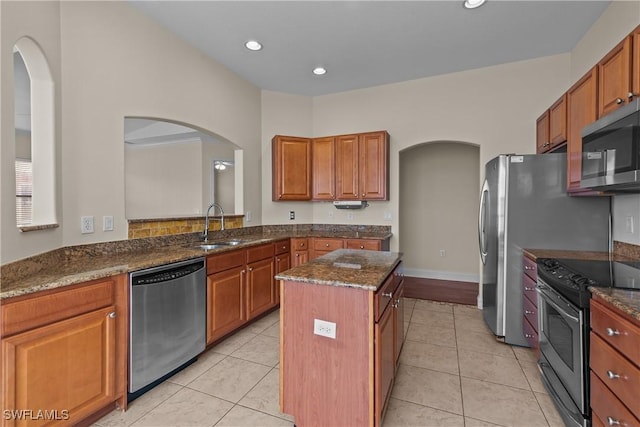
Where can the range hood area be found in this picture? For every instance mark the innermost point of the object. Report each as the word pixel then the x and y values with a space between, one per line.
pixel 350 204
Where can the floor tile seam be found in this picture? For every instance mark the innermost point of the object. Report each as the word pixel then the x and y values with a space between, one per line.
pixel 535 395
pixel 213 395
pixel 225 414
pixel 181 387
pixel 426 310
pixel 258 382
pixel 429 343
pixel 427 406
pixel 281 416
pixel 204 372
pixel 253 361
pixel 483 352
pixel 467 351
pixel 484 380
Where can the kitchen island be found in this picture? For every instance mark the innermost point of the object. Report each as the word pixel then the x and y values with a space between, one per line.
pixel 341 332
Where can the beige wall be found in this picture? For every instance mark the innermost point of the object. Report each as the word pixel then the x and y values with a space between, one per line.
pixel 157 178
pixel 116 63
pixel 40 21
pixel 439 198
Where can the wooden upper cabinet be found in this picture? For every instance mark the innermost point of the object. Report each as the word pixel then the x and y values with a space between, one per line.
pixel 558 122
pixel 581 110
pixel 614 78
pixel 362 166
pixel 635 62
pixel 323 167
pixel 291 158
pixel 542 133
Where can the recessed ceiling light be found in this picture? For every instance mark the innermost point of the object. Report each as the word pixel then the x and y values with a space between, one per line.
pixel 318 71
pixel 253 45
pixel 472 4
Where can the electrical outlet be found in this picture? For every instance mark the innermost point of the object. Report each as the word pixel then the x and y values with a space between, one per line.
pixel 107 223
pixel 248 216
pixel 292 214
pixel 443 252
pixel 387 216
pixel 629 224
pixel 324 328
pixel 86 224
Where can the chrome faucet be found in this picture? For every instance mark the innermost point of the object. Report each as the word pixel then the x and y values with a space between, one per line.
pixel 205 233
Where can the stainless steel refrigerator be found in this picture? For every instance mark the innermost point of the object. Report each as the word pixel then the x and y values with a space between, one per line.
pixel 524 205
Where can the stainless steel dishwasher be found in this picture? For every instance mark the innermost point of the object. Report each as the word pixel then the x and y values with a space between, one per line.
pixel 167 321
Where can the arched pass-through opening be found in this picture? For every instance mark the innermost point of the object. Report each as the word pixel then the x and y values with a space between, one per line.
pixel 439 184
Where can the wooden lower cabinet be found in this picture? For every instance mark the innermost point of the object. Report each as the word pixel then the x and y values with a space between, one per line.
pixel 322 246
pixel 260 287
pixel 225 307
pixel 615 365
pixel 283 263
pixel 65 371
pixel 350 377
pixel 366 244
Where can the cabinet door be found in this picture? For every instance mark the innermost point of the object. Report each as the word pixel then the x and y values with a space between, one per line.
pixel 260 287
pixel 581 110
pixel 373 166
pixel 225 302
pixel 283 263
pixel 558 122
pixel 324 246
pixel 299 258
pixel 347 167
pixel 67 367
pixel 324 168
pixel 291 168
pixel 367 244
pixel 635 62
pixel 614 78
pixel 384 362
pixel 542 133
pixel 398 319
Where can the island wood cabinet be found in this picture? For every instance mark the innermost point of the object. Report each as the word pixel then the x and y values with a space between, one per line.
pixel 300 252
pixel 64 353
pixel 362 166
pixel 351 376
pixel 240 286
pixel 530 301
pixel 291 168
pixel 615 366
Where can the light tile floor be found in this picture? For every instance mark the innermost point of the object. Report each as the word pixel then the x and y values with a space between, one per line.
pixel 452 373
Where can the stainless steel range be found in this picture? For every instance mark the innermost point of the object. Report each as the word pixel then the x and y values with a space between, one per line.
pixel 563 317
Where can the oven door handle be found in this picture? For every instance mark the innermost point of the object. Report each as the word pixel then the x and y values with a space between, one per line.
pixel 552 303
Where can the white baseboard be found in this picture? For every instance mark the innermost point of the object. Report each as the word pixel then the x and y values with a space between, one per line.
pixel 441 275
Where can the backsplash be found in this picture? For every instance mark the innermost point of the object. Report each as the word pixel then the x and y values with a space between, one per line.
pixel 626 249
pixel 169 226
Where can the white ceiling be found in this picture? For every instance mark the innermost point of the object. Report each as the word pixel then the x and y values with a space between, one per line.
pixel 369 43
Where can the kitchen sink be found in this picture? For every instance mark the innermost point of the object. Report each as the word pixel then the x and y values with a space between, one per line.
pixel 220 244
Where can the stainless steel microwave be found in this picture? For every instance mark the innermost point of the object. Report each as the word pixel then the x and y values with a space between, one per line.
pixel 611 151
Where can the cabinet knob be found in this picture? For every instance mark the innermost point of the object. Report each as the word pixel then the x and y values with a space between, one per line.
pixel 112 315
pixel 612 332
pixel 326 245
pixel 361 246
pixel 528 336
pixel 355 195
pixel 528 312
pixel 526 288
pixel 612 421
pixel 387 294
pixel 630 95
pixel 250 268
pixel 363 195
pixel 612 375
pixel 527 267
pixel 297 255
pixel 619 101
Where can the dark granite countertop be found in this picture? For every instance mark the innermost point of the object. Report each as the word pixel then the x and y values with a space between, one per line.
pixel 345 267
pixel 72 265
pixel 626 300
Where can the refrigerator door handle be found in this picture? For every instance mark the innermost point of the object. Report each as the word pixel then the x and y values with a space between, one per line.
pixel 482 217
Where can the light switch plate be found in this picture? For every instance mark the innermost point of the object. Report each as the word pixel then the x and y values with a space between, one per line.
pixel 107 223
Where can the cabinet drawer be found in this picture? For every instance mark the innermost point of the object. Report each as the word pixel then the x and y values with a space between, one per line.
pixel 41 310
pixel 606 361
pixel 530 312
pixel 370 245
pixel 615 330
pixel 530 333
pixel 222 262
pixel 300 244
pixel 605 405
pixel 282 247
pixel 530 268
pixel 327 245
pixel 260 252
pixel 384 296
pixel 529 289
